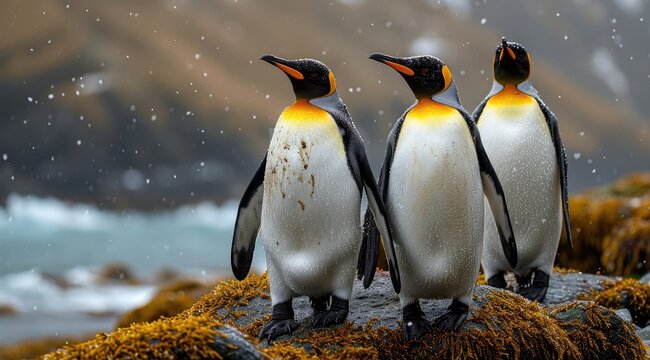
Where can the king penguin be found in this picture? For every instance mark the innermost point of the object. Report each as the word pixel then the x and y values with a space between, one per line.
pixel 306 199
pixel 432 181
pixel 521 137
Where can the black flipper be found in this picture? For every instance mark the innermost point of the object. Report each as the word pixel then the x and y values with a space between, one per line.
pixel 561 163
pixel 494 193
pixel 249 217
pixel 362 173
pixel 368 261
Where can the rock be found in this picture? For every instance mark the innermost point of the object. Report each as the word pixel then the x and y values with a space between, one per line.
pixel 624 314
pixel 500 325
pixel 645 278
pixel 644 333
pixel 7 310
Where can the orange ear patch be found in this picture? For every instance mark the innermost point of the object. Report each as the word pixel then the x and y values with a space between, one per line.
pixel 446 74
pixel 400 68
pixel 332 83
pixel 291 71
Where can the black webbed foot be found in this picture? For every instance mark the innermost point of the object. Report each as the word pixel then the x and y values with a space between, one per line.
pixel 453 319
pixel 415 324
pixel 537 290
pixel 281 323
pixel 498 280
pixel 336 314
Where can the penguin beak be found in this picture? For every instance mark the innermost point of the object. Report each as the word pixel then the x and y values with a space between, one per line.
pixel 394 62
pixel 505 48
pixel 284 65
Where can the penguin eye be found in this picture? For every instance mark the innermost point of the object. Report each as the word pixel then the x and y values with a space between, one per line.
pixel 424 70
pixel 314 76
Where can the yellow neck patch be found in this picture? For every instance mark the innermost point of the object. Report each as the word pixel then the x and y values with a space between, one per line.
pixel 302 112
pixel 431 112
pixel 510 96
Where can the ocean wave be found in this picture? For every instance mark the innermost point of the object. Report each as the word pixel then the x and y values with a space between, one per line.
pixel 35 292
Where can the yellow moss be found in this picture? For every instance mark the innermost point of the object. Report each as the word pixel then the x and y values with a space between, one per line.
pixel 585 332
pixel 170 300
pixel 610 228
pixel 31 349
pixel 627 293
pixel 161 339
pixel 627 249
pixel 230 294
pixel 506 326
pixel 163 305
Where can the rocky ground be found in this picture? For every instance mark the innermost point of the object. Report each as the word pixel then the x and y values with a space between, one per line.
pixel 224 323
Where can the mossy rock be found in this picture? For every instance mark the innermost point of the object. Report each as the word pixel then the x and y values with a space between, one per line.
pixel 610 228
pixel 501 325
pixel 170 300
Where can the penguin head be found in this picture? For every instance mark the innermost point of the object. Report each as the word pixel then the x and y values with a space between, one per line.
pixel 426 75
pixel 310 78
pixel 511 63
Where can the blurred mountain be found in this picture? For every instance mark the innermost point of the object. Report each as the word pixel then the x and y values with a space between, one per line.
pixel 150 104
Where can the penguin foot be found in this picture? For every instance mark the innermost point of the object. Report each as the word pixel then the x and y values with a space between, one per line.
pixel 453 319
pixel 281 323
pixel 498 280
pixel 537 290
pixel 319 304
pixel 415 324
pixel 336 314
pixel 275 328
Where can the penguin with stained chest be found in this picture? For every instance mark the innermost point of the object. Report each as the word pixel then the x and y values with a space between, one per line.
pixel 433 180
pixel 305 200
pixel 521 136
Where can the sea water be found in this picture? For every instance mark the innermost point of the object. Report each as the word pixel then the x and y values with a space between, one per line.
pixel 43 238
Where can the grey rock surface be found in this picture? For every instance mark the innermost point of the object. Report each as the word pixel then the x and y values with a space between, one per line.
pixel 624 314
pixel 380 302
pixel 645 278
pixel 644 333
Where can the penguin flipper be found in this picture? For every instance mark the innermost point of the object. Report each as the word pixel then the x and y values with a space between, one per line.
pixel 497 201
pixel 362 173
pixel 376 205
pixel 494 193
pixel 562 165
pixel 369 249
pixel 249 217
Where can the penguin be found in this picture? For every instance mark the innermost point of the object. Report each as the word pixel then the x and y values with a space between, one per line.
pixel 522 138
pixel 433 180
pixel 305 200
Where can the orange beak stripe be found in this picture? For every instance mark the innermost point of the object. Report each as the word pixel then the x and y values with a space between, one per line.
pixel 291 71
pixel 511 53
pixel 501 54
pixel 400 68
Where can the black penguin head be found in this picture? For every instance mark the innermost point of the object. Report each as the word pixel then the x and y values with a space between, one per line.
pixel 511 63
pixel 310 78
pixel 426 75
